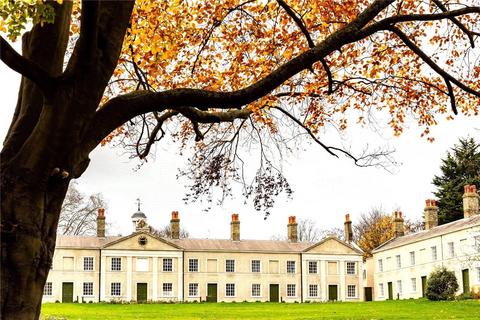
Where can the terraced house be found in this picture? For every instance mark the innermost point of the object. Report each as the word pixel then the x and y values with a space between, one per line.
pixel 401 265
pixel 144 267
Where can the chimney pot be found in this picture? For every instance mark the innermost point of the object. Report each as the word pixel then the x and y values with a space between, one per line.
pixel 470 201
pixel 399 229
pixel 348 228
pixel 101 223
pixel 175 226
pixel 292 229
pixel 235 228
pixel 430 214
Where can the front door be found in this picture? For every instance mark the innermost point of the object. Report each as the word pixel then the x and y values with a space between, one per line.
pixel 332 292
pixel 390 291
pixel 212 292
pixel 141 292
pixel 465 281
pixel 368 293
pixel 424 285
pixel 67 292
pixel 274 293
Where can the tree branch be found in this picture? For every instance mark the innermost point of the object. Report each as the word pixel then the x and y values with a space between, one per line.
pixel 26 67
pixel 456 22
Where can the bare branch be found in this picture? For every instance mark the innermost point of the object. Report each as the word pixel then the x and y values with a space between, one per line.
pixel 456 22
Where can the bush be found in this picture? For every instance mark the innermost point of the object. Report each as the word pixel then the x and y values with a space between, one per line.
pixel 441 285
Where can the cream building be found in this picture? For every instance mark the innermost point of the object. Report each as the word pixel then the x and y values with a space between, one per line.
pixel 401 266
pixel 143 267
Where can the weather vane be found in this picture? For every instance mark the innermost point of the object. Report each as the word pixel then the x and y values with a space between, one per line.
pixel 138 203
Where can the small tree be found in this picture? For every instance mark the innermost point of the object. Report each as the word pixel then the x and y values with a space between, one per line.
pixel 441 285
pixel 166 232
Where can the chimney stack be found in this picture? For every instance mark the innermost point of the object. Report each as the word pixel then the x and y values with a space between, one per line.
pixel 292 230
pixel 431 214
pixel 101 223
pixel 470 201
pixel 175 226
pixel 348 229
pixel 399 230
pixel 235 228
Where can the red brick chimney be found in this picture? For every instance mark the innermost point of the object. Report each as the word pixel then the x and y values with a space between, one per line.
pixel 348 229
pixel 470 201
pixel 430 214
pixel 175 226
pixel 235 228
pixel 101 223
pixel 292 230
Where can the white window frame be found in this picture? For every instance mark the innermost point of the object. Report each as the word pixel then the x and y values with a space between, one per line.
pixel 229 265
pixel 167 293
pixel 412 258
pixel 399 287
pixel 259 266
pixel 195 287
pixel 85 287
pixel 398 260
pixel 252 291
pixel 433 250
pixel 166 266
pixel 348 267
pixel 413 284
pixel 380 265
pixel 92 264
pixel 350 286
pixel 478 274
pixel 310 264
pixel 381 290
pixel 119 264
pixel 451 249
pixel 315 287
pixel 190 269
pixel 291 290
pixel 48 289
pixel 228 288
pixel 113 289
pixel 289 266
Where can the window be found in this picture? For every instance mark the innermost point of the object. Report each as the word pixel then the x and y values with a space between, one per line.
pixel 312 266
pixel 381 290
pixel 412 258
pixel 229 265
pixel 313 290
pixel 255 265
pixel 115 289
pixel 451 250
pixel 255 290
pixel 351 291
pixel 477 243
pixel 193 289
pixel 350 267
pixel 478 274
pixel 388 263
pixel 290 266
pixel 414 284
pixel 167 265
pixel 88 288
pixel 47 290
pixel 399 261
pixel 116 264
pixel 193 265
pixel 434 253
pixel 364 274
pixel 380 265
pixel 332 267
pixel 399 286
pixel 88 263
pixel 167 289
pixel 142 264
pixel 291 292
pixel 230 290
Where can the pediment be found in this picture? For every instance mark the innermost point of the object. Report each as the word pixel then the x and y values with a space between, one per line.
pixel 332 245
pixel 142 241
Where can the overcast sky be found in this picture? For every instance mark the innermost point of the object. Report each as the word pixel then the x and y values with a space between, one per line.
pixel 325 188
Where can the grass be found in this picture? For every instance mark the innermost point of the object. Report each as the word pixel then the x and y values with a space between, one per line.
pixel 405 309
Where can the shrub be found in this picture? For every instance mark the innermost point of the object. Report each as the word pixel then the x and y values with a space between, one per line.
pixel 441 285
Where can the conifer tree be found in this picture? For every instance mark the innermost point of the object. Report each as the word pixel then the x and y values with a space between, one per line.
pixel 460 167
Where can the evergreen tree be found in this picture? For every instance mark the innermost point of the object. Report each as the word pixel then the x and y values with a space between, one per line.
pixel 460 167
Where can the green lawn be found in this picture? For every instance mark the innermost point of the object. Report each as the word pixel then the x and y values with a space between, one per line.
pixel 407 309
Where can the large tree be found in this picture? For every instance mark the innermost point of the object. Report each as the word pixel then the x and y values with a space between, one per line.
pixel 225 73
pixel 460 167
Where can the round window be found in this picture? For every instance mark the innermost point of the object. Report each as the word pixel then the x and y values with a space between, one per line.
pixel 142 240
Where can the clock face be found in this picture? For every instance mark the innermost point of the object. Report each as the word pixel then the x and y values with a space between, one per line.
pixel 142 240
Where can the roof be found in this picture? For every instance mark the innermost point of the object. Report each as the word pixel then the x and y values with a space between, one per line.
pixel 139 214
pixel 242 245
pixel 427 234
pixel 84 242
pixel 351 245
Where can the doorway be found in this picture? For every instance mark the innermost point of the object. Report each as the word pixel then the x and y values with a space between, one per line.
pixel 332 292
pixel 141 292
pixel 465 281
pixel 67 292
pixel 212 292
pixel 368 294
pixel 424 285
pixel 390 291
pixel 274 293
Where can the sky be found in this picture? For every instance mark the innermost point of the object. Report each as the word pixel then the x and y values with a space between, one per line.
pixel 325 188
